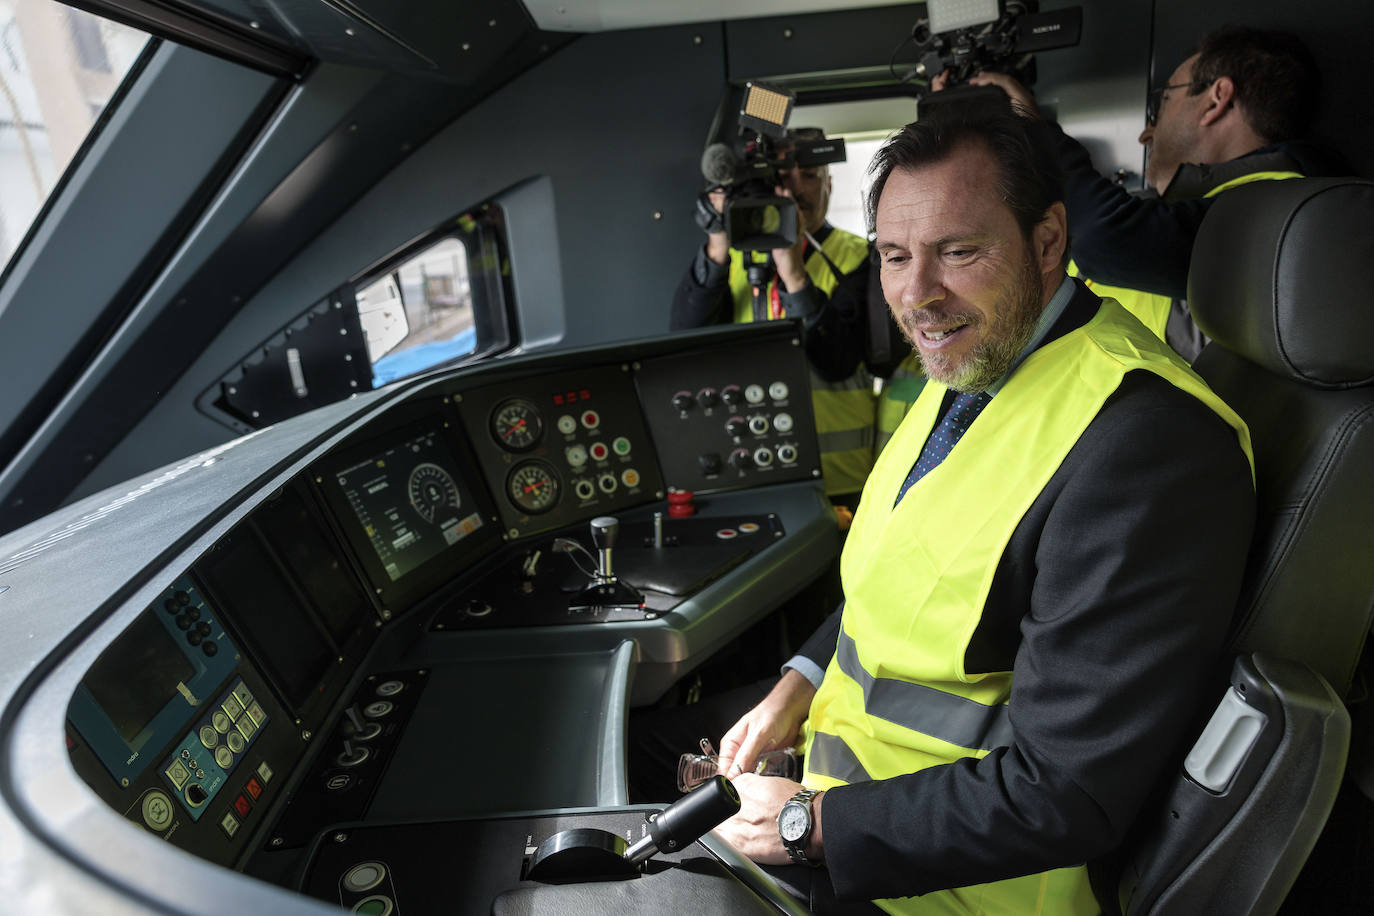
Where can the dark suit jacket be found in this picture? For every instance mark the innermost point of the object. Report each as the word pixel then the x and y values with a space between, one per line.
pixel 1110 604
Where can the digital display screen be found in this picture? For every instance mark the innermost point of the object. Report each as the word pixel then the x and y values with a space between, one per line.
pixel 247 583
pixel 133 679
pixel 297 535
pixel 410 502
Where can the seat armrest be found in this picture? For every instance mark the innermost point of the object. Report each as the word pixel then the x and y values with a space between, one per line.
pixel 1231 836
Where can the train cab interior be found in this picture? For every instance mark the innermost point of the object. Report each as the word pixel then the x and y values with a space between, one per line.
pixel 354 491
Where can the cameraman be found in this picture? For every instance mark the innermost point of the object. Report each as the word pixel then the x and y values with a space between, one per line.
pixel 1233 112
pixel 827 288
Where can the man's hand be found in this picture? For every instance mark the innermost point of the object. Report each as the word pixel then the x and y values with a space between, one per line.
pixel 754 830
pixel 717 243
pixel 789 261
pixel 770 726
pixel 1021 98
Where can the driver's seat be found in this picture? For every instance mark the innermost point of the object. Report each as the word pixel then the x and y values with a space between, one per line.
pixel 1282 280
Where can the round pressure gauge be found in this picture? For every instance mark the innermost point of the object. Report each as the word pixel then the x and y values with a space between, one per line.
pixel 533 487
pixel 516 425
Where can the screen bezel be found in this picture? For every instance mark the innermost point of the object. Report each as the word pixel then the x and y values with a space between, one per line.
pixel 124 762
pixel 427 416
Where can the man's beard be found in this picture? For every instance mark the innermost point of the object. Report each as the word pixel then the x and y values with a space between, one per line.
pixel 1013 323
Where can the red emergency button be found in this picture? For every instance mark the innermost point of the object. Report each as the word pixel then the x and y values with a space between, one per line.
pixel 242 806
pixel 599 451
pixel 253 788
pixel 680 504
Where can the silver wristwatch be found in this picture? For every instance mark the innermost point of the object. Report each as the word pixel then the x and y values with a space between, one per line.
pixel 795 824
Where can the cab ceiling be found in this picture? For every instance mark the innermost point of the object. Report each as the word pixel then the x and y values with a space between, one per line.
pixel 609 15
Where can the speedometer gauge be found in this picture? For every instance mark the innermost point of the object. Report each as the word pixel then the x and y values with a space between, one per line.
pixel 516 425
pixel 533 487
pixel 431 489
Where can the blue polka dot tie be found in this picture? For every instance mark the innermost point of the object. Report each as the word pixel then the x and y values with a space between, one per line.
pixel 951 428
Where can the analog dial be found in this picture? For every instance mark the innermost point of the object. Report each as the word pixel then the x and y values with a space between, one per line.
pixel 793 821
pixel 431 489
pixel 533 487
pixel 516 425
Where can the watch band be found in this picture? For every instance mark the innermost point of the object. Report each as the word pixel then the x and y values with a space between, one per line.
pixel 796 850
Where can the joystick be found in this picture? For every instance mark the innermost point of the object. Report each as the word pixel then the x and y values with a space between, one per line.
pixel 587 853
pixel 606 591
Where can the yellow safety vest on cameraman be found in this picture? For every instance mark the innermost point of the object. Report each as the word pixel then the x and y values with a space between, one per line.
pixel 845 409
pixel 1151 308
pixel 900 391
pixel 916 578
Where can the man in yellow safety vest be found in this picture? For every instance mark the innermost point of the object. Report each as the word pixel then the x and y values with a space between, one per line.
pixel 1233 112
pixel 1040 573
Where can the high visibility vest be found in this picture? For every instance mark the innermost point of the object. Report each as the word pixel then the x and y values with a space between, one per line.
pixel 900 390
pixel 1151 308
pixel 916 578
pixel 845 409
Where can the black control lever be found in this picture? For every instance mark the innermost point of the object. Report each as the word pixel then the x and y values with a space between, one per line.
pixel 606 591
pixel 588 853
pixel 684 821
pixel 605 532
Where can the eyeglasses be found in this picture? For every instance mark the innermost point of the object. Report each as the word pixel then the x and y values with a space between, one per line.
pixel 1155 98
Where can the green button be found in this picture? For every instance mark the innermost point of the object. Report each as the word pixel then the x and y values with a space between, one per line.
pixel 373 906
pixel 621 446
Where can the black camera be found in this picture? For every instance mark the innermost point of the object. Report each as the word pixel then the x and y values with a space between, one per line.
pixel 748 168
pixel 1001 36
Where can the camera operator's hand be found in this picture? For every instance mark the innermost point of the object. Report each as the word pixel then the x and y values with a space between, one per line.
pixel 791 262
pixel 1020 96
pixel 718 243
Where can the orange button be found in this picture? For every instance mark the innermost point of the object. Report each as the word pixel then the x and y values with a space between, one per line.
pixel 254 788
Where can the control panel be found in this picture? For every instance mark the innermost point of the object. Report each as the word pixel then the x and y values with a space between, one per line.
pixel 663 562
pixel 562 447
pixel 172 727
pixel 202 763
pixel 138 694
pixel 739 416
pixel 349 769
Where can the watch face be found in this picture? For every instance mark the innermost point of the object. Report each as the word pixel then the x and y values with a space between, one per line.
pixel 794 821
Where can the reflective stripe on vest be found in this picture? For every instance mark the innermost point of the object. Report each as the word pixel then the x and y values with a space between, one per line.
pixel 844 410
pixel 896 697
pixel 899 392
pixel 1151 308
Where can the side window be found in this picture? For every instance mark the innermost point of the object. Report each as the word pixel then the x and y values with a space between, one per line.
pixel 850 182
pixel 419 315
pixel 441 300
pixel 59 68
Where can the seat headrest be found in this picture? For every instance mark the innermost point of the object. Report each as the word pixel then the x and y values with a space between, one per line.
pixel 1283 275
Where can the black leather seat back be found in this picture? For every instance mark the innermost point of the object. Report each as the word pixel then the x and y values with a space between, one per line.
pixel 1282 280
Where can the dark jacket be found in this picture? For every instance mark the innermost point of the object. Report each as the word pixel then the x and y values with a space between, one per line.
pixel 837 327
pixel 1110 603
pixel 1145 242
